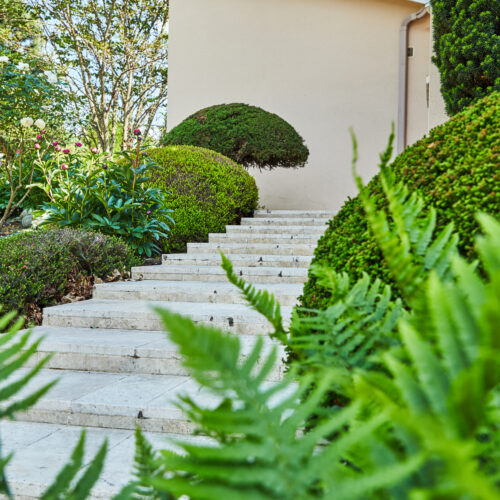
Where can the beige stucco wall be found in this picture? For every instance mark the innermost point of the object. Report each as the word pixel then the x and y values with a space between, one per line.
pixel 323 65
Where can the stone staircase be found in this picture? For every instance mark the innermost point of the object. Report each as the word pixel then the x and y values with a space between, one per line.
pixel 116 368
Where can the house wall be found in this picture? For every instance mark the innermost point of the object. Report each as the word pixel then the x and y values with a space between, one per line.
pixel 323 65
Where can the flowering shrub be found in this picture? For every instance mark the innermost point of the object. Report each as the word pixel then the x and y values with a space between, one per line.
pixel 17 169
pixel 87 190
pixel 27 89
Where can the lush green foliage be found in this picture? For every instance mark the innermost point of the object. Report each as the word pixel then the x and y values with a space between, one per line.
pixel 467 47
pixel 29 95
pixel 35 266
pixel 421 422
pixel 247 134
pixel 206 191
pixel 86 190
pixel 16 348
pixel 455 169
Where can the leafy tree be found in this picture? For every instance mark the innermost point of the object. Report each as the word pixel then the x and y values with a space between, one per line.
pixel 467 46
pixel 19 25
pixel 115 55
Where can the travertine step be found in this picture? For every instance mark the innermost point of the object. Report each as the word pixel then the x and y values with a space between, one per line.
pixel 275 229
pixel 114 400
pixel 263 238
pixel 41 451
pixel 253 248
pixel 189 291
pixel 118 369
pixel 216 273
pixel 284 221
pixel 139 315
pixel 123 351
pixel 295 214
pixel 248 260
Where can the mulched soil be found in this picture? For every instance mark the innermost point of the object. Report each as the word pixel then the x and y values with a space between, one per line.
pixel 10 228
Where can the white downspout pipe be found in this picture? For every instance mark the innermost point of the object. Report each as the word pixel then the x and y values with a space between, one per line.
pixel 402 124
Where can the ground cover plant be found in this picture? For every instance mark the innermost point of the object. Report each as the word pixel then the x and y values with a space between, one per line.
pixel 419 417
pixel 39 268
pixel 467 48
pixel 454 169
pixel 205 190
pixel 247 134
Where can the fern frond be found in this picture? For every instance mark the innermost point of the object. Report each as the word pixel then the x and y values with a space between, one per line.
pixel 63 487
pixel 353 331
pixel 404 232
pixel 261 300
pixel 148 467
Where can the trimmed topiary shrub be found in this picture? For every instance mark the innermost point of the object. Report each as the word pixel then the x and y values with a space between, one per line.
pixel 205 189
pixel 248 135
pixel 467 47
pixel 37 267
pixel 456 169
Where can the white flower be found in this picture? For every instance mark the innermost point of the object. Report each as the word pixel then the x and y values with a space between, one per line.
pixel 40 124
pixel 27 122
pixel 51 76
pixel 23 66
pixel 4 59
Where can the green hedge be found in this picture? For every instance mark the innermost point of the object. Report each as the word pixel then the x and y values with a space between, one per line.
pixel 467 48
pixel 206 190
pixel 35 266
pixel 248 135
pixel 456 169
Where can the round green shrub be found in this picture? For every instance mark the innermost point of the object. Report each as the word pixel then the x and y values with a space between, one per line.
pixel 35 266
pixel 206 190
pixel 456 169
pixel 248 135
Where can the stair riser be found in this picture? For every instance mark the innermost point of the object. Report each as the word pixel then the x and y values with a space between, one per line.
pixel 259 230
pixel 75 417
pixel 293 214
pixel 291 262
pixel 122 364
pixel 216 278
pixel 282 221
pixel 161 295
pixel 239 238
pixel 278 249
pixel 151 323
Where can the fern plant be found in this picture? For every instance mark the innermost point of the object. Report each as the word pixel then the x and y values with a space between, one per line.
pixel 16 348
pixel 420 382
pixel 421 428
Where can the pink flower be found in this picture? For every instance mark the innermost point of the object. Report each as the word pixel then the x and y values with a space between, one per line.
pixel 137 131
pixel 55 143
pixel 39 136
pixel 78 144
pixel 37 146
pixel 148 212
pixel 66 151
pixel 94 150
pixel 64 166
pixel 58 148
